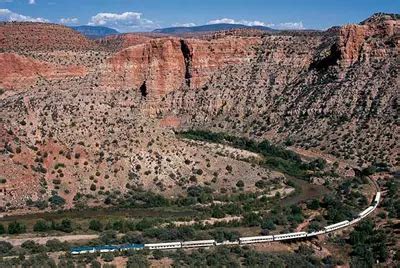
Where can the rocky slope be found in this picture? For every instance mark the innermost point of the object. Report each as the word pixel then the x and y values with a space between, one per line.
pixel 33 36
pixel 337 94
pixel 91 117
pixel 20 72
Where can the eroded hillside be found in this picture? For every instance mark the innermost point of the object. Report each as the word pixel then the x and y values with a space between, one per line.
pixel 79 117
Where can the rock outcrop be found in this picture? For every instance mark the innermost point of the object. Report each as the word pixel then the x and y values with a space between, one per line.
pixel 108 124
pixel 358 42
pixel 159 64
pixel 167 64
pixel 18 72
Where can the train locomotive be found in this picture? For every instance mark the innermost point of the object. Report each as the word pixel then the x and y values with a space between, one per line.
pixel 240 241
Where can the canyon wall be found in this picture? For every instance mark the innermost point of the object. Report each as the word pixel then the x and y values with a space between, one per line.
pixel 167 64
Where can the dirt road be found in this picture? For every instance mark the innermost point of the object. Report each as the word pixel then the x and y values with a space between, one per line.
pixel 42 240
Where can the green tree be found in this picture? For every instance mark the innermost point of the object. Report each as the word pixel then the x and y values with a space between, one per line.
pixel 56 245
pixel 16 228
pixel 137 261
pixel 108 257
pixel 41 226
pixel 57 200
pixel 240 184
pixel 5 247
pixel 158 254
pixel 95 225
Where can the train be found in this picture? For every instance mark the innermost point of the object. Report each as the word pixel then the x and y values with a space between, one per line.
pixel 240 241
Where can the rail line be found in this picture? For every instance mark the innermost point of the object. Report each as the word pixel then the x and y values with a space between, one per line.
pixel 240 241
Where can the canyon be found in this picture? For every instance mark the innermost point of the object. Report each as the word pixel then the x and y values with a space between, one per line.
pixel 79 115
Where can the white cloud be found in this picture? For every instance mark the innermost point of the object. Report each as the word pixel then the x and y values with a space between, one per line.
pixel 124 22
pixel 32 2
pixel 189 24
pixel 290 26
pixel 69 21
pixel 232 21
pixel 7 15
pixel 279 26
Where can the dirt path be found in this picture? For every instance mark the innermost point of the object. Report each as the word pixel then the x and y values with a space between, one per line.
pixel 43 240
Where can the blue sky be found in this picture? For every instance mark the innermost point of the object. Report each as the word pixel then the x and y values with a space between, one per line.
pixel 146 15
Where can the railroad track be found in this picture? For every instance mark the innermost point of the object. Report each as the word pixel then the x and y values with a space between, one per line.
pixel 241 240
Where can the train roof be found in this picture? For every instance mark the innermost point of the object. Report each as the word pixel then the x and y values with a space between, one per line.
pixel 256 237
pixel 106 247
pixel 337 224
pixel 297 233
pixel 162 244
pixel 198 241
pixel 83 248
pixel 132 246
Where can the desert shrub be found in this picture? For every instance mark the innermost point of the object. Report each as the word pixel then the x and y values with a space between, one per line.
pixel 276 157
pixel 41 226
pixel 5 247
pixel 137 261
pixel 16 228
pixel 240 184
pixel 95 225
pixel 57 200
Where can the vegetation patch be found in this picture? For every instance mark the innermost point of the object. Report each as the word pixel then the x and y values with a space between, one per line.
pixel 275 157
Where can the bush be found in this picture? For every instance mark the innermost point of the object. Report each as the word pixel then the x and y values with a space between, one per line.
pixel 41 226
pixel 95 225
pixel 16 228
pixel 137 261
pixel 65 226
pixel 33 247
pixel 108 257
pixel 229 168
pixel 109 237
pixel 2 229
pixel 240 184
pixel 57 200
pixel 56 245
pixel 158 254
pixel 275 157
pixel 5 247
pixel 93 187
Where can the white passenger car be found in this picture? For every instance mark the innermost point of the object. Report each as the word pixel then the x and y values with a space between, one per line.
pixel 336 226
pixel 289 236
pixel 366 212
pixel 315 233
pixel 256 239
pixel 172 245
pixel 227 243
pixel 198 244
pixel 377 198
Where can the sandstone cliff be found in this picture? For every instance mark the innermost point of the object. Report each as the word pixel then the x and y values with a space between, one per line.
pixel 17 72
pixel 167 64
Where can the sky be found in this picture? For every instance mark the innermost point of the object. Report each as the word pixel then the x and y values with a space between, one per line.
pixel 147 15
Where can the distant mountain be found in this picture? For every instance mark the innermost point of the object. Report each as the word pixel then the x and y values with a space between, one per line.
pixel 209 28
pixel 95 31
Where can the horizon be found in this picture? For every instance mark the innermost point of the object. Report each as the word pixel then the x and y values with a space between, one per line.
pixel 146 16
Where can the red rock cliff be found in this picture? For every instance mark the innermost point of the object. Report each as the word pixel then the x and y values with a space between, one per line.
pixel 20 72
pixel 168 63
pixel 356 42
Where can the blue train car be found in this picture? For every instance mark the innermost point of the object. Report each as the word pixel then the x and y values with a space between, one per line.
pixel 107 248
pixel 83 250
